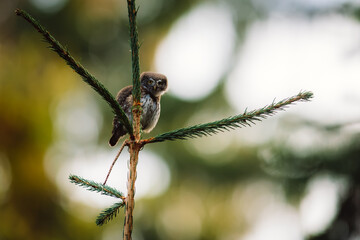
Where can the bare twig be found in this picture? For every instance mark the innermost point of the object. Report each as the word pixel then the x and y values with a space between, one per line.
pixel 116 158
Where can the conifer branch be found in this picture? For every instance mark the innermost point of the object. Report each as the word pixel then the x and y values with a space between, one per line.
pixel 230 123
pixel 109 213
pixel 96 187
pixel 134 146
pixel 78 68
pixel 134 44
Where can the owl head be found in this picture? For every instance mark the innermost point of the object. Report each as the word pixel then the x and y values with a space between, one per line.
pixel 154 83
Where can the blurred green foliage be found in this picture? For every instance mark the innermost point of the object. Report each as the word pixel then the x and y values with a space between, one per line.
pixel 203 200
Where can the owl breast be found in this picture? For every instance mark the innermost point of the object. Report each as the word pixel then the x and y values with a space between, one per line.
pixel 150 112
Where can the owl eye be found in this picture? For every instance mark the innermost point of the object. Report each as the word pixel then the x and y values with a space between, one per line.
pixel 151 82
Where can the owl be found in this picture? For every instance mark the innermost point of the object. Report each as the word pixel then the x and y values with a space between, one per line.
pixel 153 85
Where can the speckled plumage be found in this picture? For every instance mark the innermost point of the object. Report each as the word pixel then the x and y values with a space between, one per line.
pixel 153 85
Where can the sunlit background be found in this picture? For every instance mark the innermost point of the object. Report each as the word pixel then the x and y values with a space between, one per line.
pixel 294 176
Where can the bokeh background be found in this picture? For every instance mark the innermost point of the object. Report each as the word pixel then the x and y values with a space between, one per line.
pixel 293 176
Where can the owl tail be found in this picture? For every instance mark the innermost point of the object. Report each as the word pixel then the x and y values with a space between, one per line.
pixel 114 139
pixel 117 134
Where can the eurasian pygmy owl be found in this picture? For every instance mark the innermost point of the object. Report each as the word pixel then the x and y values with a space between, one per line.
pixel 153 85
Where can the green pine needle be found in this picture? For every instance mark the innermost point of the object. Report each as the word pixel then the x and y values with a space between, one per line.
pixel 230 123
pixel 78 68
pixel 109 213
pixel 96 187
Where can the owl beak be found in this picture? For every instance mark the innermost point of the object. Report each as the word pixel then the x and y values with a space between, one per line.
pixel 155 87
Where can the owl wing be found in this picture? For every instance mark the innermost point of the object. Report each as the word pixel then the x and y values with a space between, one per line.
pixel 123 94
pixel 124 98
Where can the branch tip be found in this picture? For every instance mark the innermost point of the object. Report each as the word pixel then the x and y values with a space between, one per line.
pixel 108 214
pixel 96 187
